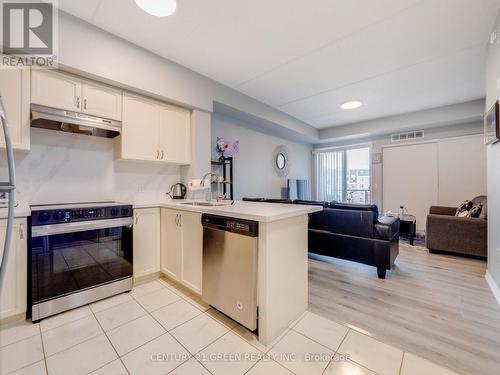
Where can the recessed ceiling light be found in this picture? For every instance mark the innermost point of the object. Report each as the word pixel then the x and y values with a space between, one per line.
pixel 158 8
pixel 352 104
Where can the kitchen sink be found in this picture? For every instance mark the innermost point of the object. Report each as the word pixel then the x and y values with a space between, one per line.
pixel 206 204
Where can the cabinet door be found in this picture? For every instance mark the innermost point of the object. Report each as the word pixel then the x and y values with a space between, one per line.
pixel 192 250
pixel 15 89
pixel 13 293
pixel 175 135
pixel 146 241
pixel 139 138
pixel 56 89
pixel 103 101
pixel 170 243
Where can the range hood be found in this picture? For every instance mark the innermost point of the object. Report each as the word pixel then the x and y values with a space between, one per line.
pixel 73 122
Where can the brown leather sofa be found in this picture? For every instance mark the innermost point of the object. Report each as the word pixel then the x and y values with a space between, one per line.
pixel 447 233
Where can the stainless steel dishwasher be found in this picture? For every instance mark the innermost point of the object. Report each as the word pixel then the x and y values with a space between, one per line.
pixel 230 267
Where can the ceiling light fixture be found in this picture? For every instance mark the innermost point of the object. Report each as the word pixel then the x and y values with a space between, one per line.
pixel 352 104
pixel 158 8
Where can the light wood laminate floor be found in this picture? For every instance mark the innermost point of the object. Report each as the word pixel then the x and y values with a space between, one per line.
pixel 437 306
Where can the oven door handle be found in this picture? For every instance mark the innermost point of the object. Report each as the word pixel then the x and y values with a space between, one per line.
pixel 46 230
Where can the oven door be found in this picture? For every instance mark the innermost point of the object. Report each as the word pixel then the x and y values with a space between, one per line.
pixel 72 257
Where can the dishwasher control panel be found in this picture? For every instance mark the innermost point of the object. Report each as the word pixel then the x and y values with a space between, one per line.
pixel 245 227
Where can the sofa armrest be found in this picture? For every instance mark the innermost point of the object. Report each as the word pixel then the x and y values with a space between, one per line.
pixel 460 234
pixel 441 210
pixel 386 228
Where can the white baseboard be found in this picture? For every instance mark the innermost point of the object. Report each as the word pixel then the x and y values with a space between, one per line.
pixel 493 286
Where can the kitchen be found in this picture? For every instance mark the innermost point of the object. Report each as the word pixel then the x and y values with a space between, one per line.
pixel 127 159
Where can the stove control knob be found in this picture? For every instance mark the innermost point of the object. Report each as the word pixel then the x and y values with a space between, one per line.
pixel 43 216
pixel 113 212
pixel 59 215
pixel 125 211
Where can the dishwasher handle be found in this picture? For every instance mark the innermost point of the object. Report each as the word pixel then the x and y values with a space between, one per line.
pixel 243 227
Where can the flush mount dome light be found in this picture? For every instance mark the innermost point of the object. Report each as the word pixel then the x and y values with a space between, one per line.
pixel 352 104
pixel 158 8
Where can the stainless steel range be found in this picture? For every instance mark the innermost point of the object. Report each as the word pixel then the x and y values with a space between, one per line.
pixel 78 253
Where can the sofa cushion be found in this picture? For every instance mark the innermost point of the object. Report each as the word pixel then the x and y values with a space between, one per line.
pixel 311 203
pixel 351 222
pixel 463 209
pixel 475 211
pixel 483 201
pixel 356 207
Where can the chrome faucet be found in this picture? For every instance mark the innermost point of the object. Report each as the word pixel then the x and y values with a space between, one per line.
pixel 219 179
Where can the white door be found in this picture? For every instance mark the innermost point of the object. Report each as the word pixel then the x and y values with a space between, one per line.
pixel 103 101
pixel 15 89
pixel 13 293
pixel 192 250
pixel 56 89
pixel 146 241
pixel 410 179
pixel 139 138
pixel 170 243
pixel 175 135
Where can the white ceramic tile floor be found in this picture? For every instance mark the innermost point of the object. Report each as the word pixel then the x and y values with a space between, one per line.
pixel 128 334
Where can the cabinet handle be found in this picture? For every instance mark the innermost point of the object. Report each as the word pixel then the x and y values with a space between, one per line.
pixel 180 220
pixel 78 102
pixel 162 154
pixel 157 154
pixel 21 231
pixel 136 218
pixel 85 103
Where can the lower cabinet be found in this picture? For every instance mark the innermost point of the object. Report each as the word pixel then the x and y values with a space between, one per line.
pixel 13 292
pixel 182 247
pixel 146 241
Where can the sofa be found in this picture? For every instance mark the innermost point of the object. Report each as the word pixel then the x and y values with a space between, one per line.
pixel 357 233
pixel 447 233
pixel 352 232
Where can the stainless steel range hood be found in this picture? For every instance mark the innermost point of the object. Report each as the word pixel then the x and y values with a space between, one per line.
pixel 73 122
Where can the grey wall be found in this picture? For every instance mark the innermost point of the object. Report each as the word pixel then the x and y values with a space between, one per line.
pixel 378 142
pixel 493 161
pixel 254 174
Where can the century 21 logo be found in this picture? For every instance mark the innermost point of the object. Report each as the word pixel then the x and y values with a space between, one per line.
pixel 27 28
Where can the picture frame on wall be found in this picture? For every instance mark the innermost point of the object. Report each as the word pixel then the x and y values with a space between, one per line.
pixel 492 125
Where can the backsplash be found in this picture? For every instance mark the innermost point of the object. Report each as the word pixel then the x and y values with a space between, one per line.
pixel 75 168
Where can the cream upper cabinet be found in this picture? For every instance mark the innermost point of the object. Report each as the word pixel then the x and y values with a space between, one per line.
pixel 146 241
pixel 154 131
pixel 139 137
pixel 15 89
pixel 56 89
pixel 192 250
pixel 170 243
pixel 101 100
pixel 175 134
pixel 13 292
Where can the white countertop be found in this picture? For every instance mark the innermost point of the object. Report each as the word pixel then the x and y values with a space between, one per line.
pixel 257 211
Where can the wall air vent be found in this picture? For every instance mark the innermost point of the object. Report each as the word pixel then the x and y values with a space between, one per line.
pixel 408 136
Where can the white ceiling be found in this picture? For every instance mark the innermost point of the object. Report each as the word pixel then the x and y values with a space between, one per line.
pixel 307 57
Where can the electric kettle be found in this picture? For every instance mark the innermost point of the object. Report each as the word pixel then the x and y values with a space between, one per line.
pixel 177 191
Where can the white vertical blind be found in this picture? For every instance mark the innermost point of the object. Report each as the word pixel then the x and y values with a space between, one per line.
pixel 330 175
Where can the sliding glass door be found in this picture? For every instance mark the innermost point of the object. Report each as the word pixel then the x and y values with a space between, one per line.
pixel 343 175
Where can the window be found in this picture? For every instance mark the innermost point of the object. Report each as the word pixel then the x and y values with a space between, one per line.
pixel 343 175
